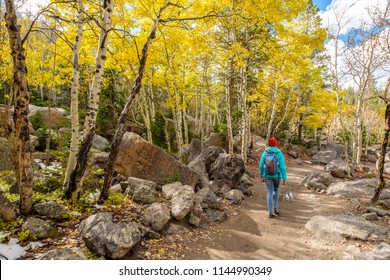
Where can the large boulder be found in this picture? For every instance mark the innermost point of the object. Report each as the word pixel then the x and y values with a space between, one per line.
pixel 337 168
pixel 324 157
pixel 339 148
pixel 195 148
pixel 227 170
pixel 138 158
pixel 5 155
pixel 317 181
pixel 354 188
pixel 108 239
pixel 58 116
pixel 208 199
pixel 340 227
pixel 157 216
pixel 39 228
pixel 169 189
pixel 182 202
pixel 51 209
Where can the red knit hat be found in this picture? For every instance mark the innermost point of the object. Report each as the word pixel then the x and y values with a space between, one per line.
pixel 272 142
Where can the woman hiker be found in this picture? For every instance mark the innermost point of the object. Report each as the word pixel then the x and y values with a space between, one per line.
pixel 272 168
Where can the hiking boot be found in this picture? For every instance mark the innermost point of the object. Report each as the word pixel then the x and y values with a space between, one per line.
pixel 276 212
pixel 271 216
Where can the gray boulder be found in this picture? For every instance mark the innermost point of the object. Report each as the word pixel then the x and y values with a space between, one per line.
pixel 353 188
pixel 199 167
pixel 195 149
pixel 235 196
pixel 207 199
pixel 169 189
pixel 337 168
pixel 227 170
pixel 324 157
pixel 339 148
pixel 100 159
pixel 99 142
pixel 108 239
pixel 51 209
pixel 182 202
pixel 317 181
pixel 38 228
pixel 157 216
pixel 64 254
pixel 382 252
pixel 340 227
pixel 145 194
pixel 133 183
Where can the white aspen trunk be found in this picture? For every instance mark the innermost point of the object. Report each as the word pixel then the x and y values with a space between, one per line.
pixel 201 109
pixel 183 106
pixel 185 124
pixel 74 95
pixel 75 180
pixel 144 106
pixel 166 134
pixel 152 108
pixel 179 124
pixel 229 93
pixel 285 110
pixel 273 112
pixel 210 122
pixel 243 89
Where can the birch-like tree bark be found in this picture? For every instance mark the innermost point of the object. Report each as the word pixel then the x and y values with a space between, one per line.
pixel 74 92
pixel 385 141
pixel 120 131
pixel 244 119
pixel 23 167
pixel 273 112
pixel 74 184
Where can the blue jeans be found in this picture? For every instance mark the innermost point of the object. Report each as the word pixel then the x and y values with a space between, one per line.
pixel 272 193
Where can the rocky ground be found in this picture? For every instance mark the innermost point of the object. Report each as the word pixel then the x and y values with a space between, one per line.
pixel 247 234
pixel 250 234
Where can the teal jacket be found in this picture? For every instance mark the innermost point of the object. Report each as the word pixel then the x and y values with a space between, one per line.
pixel 282 165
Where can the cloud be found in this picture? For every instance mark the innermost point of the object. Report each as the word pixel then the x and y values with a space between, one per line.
pixel 348 15
pixel 32 6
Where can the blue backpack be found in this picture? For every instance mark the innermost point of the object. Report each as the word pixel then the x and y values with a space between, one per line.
pixel 271 164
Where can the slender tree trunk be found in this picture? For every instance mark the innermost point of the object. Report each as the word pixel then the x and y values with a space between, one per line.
pixel 74 96
pixel 273 112
pixel 244 121
pixel 229 96
pixel 120 131
pixel 144 105
pixel 381 160
pixel 166 134
pixel 48 139
pixel 285 111
pixel 74 184
pixel 23 167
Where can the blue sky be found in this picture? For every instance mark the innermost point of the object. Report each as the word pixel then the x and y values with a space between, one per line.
pixel 322 4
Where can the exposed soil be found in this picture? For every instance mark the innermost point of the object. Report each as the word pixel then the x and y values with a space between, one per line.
pixel 250 234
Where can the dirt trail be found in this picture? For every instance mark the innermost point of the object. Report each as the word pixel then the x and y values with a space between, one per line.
pixel 250 234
